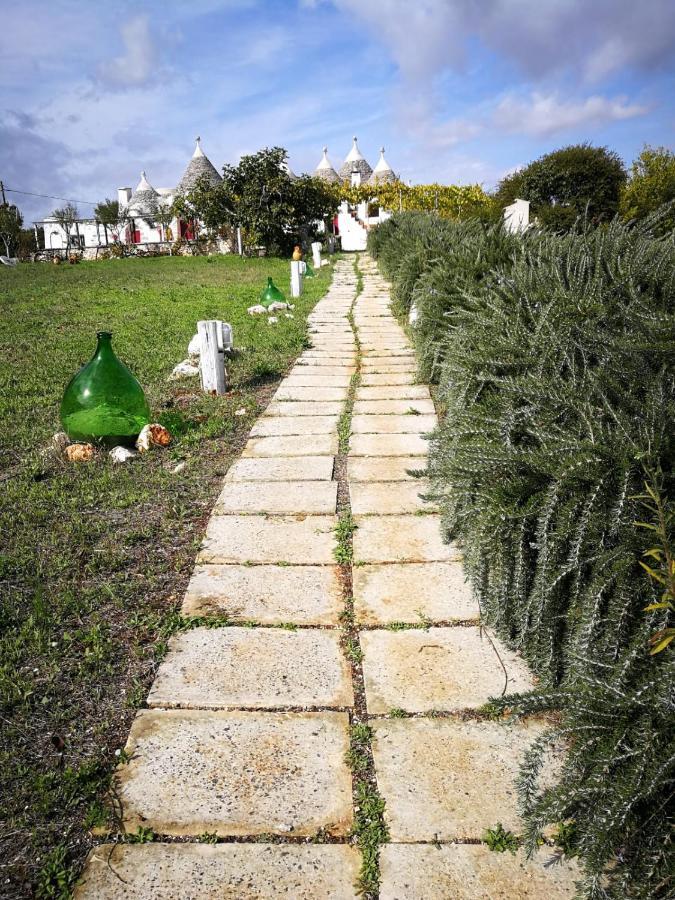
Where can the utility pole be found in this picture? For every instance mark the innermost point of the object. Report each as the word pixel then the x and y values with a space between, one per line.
pixel 2 189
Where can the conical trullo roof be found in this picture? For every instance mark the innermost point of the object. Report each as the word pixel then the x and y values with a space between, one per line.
pixel 200 166
pixel 325 170
pixel 144 199
pixel 383 172
pixel 287 169
pixel 355 162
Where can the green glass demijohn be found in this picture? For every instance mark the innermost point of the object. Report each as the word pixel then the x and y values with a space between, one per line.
pixel 271 294
pixel 103 402
pixel 309 271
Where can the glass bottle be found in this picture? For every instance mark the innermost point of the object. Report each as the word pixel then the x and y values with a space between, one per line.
pixel 271 294
pixel 104 403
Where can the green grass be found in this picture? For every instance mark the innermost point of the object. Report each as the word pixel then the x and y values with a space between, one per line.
pixel 94 558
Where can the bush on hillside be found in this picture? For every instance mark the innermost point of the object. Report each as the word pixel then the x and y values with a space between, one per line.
pixel 555 366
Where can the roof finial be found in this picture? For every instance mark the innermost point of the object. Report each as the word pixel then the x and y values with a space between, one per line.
pixel 325 149
pixel 144 177
pixel 197 140
pixel 382 150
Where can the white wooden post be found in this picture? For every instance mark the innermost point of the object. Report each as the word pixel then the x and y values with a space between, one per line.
pixel 212 358
pixel 239 245
pixel 316 254
pixel 296 278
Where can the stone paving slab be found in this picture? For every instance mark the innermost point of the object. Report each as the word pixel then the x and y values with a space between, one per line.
pixel 387 498
pixel 384 468
pixel 315 377
pixel 394 392
pixel 391 424
pixel 253 668
pixel 328 364
pixel 387 445
pixel 291 445
pixel 394 407
pixel 400 539
pixel 445 669
pixel 315 371
pixel 311 393
pixel 391 352
pixel 443 779
pixel 220 872
pixel 278 426
pixel 323 356
pixel 471 872
pixel 303 540
pixel 281 468
pixel 389 368
pixel 303 408
pixel 277 498
pixel 372 380
pixel 409 592
pixel 236 773
pixel 271 595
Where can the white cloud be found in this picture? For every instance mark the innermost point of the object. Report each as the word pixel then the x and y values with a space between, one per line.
pixel 542 115
pixel 139 62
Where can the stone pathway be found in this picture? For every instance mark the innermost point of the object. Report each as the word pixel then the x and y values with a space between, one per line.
pixel 240 763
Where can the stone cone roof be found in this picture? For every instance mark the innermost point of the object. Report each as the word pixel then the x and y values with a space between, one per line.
pixel 325 170
pixel 383 172
pixel 355 161
pixel 287 169
pixel 200 166
pixel 144 199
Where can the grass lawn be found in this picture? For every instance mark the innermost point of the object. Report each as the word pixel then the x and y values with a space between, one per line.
pixel 94 558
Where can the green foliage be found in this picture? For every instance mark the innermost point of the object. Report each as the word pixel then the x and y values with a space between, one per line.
pixel 500 841
pixel 107 211
pixel 554 364
pixel 651 183
pixel 575 181
pixel 273 210
pixel 11 221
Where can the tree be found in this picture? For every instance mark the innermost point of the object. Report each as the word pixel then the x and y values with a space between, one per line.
pixel 579 180
pixel 11 221
pixel 651 184
pixel 164 215
pixel 113 219
pixel 66 216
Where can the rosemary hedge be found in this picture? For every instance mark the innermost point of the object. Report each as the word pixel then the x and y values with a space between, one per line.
pixel 554 362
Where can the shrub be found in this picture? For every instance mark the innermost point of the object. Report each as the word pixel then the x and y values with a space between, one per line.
pixel 554 358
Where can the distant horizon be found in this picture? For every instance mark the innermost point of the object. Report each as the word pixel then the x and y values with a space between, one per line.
pixel 92 95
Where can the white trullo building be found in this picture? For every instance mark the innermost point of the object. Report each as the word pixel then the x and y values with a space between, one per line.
pixel 140 213
pixel 353 221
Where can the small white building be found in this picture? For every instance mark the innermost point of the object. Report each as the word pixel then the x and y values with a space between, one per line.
pixel 353 221
pixel 138 223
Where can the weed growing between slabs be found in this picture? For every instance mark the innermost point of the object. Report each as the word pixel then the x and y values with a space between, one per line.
pixel 95 557
pixel 369 828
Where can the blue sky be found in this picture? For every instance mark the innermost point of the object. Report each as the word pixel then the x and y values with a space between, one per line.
pixel 458 91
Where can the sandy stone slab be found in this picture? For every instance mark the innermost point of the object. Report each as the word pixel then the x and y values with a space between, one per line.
pixel 386 498
pixel 437 669
pixel 277 498
pixel 394 392
pixel 391 351
pixel 386 445
pixel 411 591
pixel 328 363
pixel 302 369
pixel 394 407
pixel 273 426
pixel 384 468
pixel 301 540
pixel 220 872
pixel 324 356
pixel 388 359
pixel 281 468
pixel 401 539
pixel 390 424
pixel 471 872
pixel 316 379
pixel 388 368
pixel 253 668
pixel 291 445
pixel 445 779
pixel 306 408
pixel 304 595
pixel 373 380
pixel 236 773
pixel 294 392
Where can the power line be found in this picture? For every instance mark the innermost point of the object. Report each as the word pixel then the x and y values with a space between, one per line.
pixel 51 197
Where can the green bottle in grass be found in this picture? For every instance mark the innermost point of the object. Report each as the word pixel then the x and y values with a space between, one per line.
pixel 271 294
pixel 103 403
